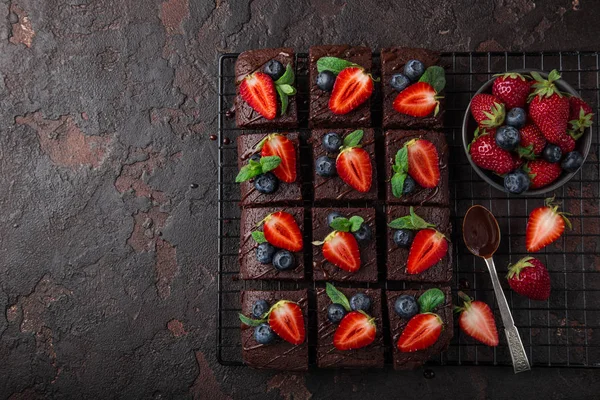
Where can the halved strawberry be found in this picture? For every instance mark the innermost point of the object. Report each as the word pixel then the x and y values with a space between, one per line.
pixel 477 320
pixel 282 231
pixel 544 226
pixel 353 165
pixel 341 249
pixel 427 249
pixel 421 332
pixel 356 330
pixel 287 321
pixel 417 100
pixel 279 145
pixel 423 162
pixel 352 87
pixel 258 90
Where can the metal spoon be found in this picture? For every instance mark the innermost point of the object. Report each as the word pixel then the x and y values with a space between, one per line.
pixel 481 234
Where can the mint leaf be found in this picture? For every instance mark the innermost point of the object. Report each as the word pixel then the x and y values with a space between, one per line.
pixel 259 237
pixel 431 299
pixel 253 163
pixel 353 139
pixel 248 172
pixel 356 222
pixel 412 221
pixel 419 222
pixel 341 224
pixel 269 163
pixel 284 99
pixel 288 89
pixel 249 321
pixel 436 77
pixel 398 183
pixel 337 297
pixel 333 64
pixel 402 158
pixel 288 76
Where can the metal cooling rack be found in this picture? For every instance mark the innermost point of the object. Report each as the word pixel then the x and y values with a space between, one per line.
pixel 561 332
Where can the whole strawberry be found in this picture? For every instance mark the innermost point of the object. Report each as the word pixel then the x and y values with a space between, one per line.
pixel 487 110
pixel 532 136
pixel 529 278
pixel 542 173
pixel 512 89
pixel 580 117
pixel 549 108
pixel 566 144
pixel 486 154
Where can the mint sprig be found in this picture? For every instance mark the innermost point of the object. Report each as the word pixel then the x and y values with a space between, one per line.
pixel 400 169
pixel 431 299
pixel 353 138
pixel 337 297
pixel 249 321
pixel 255 168
pixel 284 87
pixel 333 64
pixel 259 237
pixel 412 222
pixel 347 225
pixel 436 77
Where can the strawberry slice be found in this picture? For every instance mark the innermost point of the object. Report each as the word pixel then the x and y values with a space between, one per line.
pixel 423 162
pixel 354 167
pixel 417 100
pixel 421 332
pixel 427 249
pixel 258 90
pixel 287 321
pixel 282 231
pixel 352 87
pixel 544 226
pixel 281 146
pixel 341 249
pixel 477 320
pixel 356 330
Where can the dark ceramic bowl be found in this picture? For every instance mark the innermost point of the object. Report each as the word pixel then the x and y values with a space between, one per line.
pixel 468 131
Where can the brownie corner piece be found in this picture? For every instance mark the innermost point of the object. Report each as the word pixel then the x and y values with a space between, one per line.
pixel 286 193
pixel 393 60
pixel 371 356
pixel 438 196
pixel 397 256
pixel 279 355
pixel 252 61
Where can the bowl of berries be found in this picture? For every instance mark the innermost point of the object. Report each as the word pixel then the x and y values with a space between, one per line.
pixel 527 132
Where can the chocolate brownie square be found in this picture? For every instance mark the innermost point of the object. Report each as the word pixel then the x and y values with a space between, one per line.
pixel 393 60
pixel 250 268
pixel 278 354
pixel 397 256
pixel 438 196
pixel 334 188
pixel 328 356
pixel 249 62
pixel 320 115
pixel 286 194
pixel 397 324
pixel 323 270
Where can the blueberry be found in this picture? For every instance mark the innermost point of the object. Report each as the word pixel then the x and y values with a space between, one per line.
pixel 274 69
pixel 413 70
pixel 335 312
pixel 360 301
pixel 283 260
pixel 406 306
pixel 333 215
pixel 332 142
pixel 516 117
pixel 516 182
pixel 325 80
pixel 403 237
pixel 508 137
pixel 325 166
pixel 363 234
pixel 572 161
pixel 255 157
pixel 399 82
pixel 266 183
pixel 264 253
pixel 552 153
pixel 260 308
pixel 263 334
pixel 409 185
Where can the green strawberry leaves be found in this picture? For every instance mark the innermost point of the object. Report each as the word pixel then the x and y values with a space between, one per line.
pixel 412 221
pixel 431 299
pixel 347 225
pixel 259 237
pixel 400 169
pixel 284 87
pixel 353 138
pixel 249 321
pixel 436 77
pixel 255 168
pixel 333 64
pixel 526 152
pixel 337 297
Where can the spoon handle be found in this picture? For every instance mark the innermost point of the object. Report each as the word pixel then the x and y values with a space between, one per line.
pixel 515 345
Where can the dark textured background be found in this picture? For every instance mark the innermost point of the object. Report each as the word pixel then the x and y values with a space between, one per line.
pixel 108 256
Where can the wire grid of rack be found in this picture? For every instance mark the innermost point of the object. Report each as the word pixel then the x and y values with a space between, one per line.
pixel 561 332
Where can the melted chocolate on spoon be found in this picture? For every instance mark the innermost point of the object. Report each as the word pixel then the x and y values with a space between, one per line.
pixel 481 232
